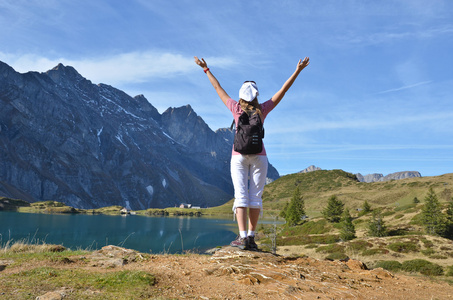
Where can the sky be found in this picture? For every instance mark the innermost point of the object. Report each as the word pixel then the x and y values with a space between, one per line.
pixel 376 97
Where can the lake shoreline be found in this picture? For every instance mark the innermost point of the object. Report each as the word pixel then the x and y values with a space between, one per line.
pixel 55 207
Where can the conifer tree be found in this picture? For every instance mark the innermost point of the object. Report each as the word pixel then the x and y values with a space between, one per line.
pixel 334 210
pixel 366 208
pixel 295 210
pixel 376 227
pixel 432 217
pixel 449 221
pixel 347 231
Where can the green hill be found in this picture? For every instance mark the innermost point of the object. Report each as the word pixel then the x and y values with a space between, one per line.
pixel 317 186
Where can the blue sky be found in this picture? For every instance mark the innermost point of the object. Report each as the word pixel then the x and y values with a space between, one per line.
pixel 376 97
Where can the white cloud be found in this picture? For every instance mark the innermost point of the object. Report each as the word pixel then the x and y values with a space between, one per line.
pixel 405 87
pixel 123 68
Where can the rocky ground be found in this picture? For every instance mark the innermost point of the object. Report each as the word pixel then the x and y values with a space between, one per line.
pixel 230 273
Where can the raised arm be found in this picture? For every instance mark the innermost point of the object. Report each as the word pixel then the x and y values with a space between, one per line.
pixel 279 95
pixel 215 83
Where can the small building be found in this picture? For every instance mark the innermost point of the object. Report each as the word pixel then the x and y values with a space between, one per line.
pixel 185 205
pixel 125 211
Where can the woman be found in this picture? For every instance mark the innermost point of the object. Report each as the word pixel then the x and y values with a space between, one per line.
pixel 254 166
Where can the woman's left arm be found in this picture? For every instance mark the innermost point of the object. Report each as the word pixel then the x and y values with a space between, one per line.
pixel 279 95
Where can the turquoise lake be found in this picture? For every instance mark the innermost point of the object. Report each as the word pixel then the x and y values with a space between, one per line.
pixel 144 234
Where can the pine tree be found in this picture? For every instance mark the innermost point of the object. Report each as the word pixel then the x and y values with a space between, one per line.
pixel 334 210
pixel 366 208
pixel 432 217
pixel 295 210
pixel 376 227
pixel 347 231
pixel 449 221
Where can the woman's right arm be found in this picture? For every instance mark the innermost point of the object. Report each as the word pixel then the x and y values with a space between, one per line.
pixel 215 83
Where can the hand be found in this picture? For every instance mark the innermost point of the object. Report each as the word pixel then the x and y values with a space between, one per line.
pixel 302 64
pixel 201 62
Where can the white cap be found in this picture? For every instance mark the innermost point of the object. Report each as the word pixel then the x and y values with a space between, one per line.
pixel 248 91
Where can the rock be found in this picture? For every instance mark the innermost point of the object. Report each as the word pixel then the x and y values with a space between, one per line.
pixel 382 273
pixel 356 265
pixel 50 296
pixel 4 263
pixel 55 295
pixel 113 256
pixel 310 169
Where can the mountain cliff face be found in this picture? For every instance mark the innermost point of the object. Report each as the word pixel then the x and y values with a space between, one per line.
pixel 393 176
pixel 64 138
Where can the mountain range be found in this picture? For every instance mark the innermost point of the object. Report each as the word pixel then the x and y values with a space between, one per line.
pixel 88 145
pixel 374 177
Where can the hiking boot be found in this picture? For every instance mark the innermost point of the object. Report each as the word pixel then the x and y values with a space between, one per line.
pixel 241 243
pixel 251 243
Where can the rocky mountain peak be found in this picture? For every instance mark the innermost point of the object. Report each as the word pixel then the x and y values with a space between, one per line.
pixel 62 73
pixel 310 169
pixel 147 107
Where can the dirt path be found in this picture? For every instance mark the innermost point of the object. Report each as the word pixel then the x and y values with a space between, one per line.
pixel 234 274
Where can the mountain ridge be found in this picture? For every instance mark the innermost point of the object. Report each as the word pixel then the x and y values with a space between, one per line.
pixel 374 177
pixel 66 139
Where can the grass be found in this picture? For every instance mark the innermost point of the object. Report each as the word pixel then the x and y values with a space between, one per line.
pixel 44 267
pixel 111 285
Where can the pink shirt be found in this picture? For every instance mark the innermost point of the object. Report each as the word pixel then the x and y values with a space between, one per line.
pixel 236 110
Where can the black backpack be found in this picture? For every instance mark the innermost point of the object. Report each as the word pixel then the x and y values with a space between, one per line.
pixel 249 133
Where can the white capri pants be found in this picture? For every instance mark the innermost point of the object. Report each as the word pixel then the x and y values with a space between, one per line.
pixel 244 167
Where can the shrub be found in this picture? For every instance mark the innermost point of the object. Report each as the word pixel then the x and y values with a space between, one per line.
pixel 428 243
pixel 403 247
pixel 330 248
pixel 398 216
pixel 337 256
pixel 359 245
pixel 305 240
pixel 390 265
pixel 405 207
pixel 449 271
pixel 374 251
pixel 315 227
pixel 428 251
pixel 388 213
pixel 422 266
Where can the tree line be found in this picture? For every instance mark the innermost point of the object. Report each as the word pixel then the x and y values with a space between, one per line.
pixel 433 218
